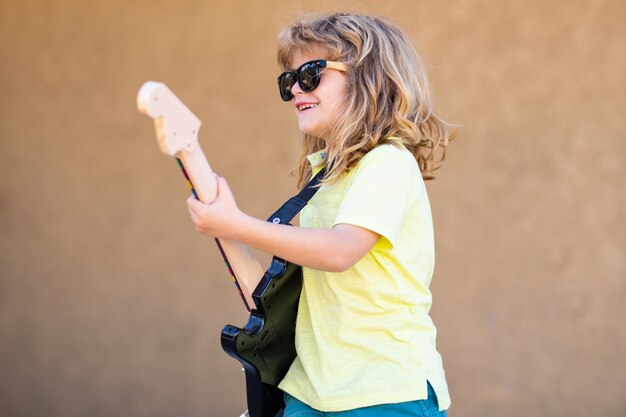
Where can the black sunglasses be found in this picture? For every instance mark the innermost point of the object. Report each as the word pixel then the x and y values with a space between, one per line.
pixel 307 75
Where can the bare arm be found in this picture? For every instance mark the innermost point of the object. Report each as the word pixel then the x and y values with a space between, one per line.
pixel 332 250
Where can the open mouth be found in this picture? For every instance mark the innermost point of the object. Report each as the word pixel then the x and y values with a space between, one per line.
pixel 307 106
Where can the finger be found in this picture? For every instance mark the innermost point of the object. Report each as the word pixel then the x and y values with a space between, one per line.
pixel 194 205
pixel 194 218
pixel 192 212
pixel 190 202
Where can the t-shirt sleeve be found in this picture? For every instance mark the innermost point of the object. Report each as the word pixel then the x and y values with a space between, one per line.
pixel 376 198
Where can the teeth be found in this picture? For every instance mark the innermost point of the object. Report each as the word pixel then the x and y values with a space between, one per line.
pixel 306 106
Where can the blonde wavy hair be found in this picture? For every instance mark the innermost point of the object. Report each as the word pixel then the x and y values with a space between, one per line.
pixel 387 97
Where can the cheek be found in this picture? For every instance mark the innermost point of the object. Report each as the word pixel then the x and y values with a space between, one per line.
pixel 336 105
pixel 339 95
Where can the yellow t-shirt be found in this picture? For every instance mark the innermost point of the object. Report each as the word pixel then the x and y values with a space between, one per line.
pixel 364 336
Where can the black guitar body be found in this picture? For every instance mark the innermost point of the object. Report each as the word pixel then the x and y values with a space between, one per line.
pixel 265 346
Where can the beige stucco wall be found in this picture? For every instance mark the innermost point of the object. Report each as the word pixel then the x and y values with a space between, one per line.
pixel 111 305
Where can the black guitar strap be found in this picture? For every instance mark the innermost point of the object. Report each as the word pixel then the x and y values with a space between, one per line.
pixel 288 211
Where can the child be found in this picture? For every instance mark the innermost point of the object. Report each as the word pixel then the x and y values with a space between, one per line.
pixel 364 340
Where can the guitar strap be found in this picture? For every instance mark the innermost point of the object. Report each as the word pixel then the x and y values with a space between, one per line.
pixel 288 211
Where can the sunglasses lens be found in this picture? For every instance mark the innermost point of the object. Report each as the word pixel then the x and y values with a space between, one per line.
pixel 309 76
pixel 285 83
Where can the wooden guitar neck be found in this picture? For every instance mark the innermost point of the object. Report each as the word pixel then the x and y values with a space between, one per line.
pixel 177 134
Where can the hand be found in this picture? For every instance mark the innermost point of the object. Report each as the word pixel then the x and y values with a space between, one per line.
pixel 221 218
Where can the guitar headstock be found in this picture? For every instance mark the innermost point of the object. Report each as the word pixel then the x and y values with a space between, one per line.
pixel 177 127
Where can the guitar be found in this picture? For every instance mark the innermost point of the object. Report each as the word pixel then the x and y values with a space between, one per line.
pixel 177 134
pixel 265 346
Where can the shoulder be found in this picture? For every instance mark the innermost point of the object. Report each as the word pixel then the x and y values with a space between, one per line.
pixel 392 158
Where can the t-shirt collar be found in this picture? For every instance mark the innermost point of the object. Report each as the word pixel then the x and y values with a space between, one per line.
pixel 317 158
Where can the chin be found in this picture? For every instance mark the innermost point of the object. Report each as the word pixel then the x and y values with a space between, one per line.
pixel 313 129
pixel 308 130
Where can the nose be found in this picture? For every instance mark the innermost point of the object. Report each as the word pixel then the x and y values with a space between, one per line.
pixel 296 89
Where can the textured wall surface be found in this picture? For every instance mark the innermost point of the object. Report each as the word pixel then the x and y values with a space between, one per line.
pixel 111 305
